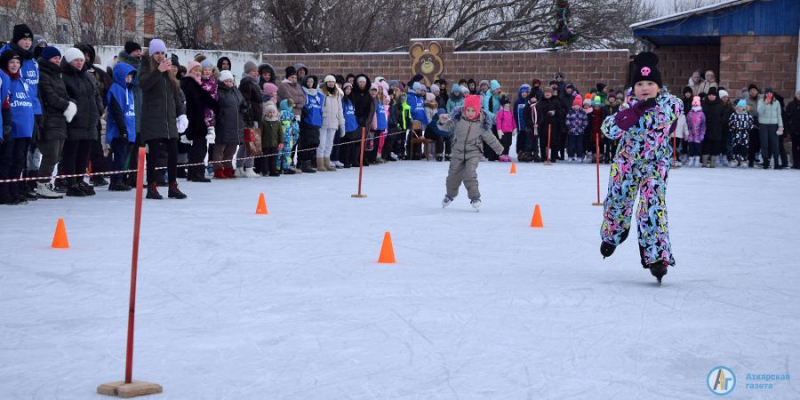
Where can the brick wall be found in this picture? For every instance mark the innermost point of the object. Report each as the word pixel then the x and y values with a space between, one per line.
pixel 511 68
pixel 677 63
pixel 763 60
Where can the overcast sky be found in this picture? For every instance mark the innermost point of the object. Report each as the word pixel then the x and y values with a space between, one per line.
pixel 668 6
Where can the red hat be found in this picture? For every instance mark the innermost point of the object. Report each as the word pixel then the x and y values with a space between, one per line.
pixel 473 101
pixel 577 101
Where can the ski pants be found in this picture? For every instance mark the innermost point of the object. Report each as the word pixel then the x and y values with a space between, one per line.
pixel 463 170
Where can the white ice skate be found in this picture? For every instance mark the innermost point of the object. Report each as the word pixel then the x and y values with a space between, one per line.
pixel 446 201
pixel 476 204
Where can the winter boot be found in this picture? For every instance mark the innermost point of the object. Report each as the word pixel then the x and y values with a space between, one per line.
pixel 219 173
pixel 87 189
pixel 705 161
pixel 326 161
pixel 117 185
pixel 249 173
pixel 240 172
pixel 607 249
pixel 307 168
pixel 289 171
pixel 713 162
pixel 321 164
pixel 152 192
pixel 446 201
pixel 229 172
pixel 174 192
pixel 45 191
pixel 75 190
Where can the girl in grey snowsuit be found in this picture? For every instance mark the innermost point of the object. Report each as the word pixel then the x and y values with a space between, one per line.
pixel 471 128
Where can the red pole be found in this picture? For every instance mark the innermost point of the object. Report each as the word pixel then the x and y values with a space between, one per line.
pixel 674 150
pixel 597 157
pixel 134 265
pixel 361 163
pixel 547 161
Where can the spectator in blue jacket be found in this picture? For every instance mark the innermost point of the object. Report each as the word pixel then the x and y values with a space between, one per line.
pixel 19 101
pixel 310 123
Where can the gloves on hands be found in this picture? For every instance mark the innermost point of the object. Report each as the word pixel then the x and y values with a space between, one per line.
pixel 183 123
pixel 185 140
pixel 341 131
pixel 280 146
pixel 70 112
pixel 514 132
pixel 499 134
pixel 626 119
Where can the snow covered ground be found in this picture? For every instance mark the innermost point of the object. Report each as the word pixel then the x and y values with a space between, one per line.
pixel 294 306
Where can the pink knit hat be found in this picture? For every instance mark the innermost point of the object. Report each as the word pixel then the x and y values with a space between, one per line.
pixel 270 89
pixel 696 101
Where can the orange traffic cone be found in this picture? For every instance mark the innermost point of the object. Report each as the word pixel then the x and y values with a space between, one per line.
pixel 261 209
pixel 536 221
pixel 60 238
pixel 513 168
pixel 387 250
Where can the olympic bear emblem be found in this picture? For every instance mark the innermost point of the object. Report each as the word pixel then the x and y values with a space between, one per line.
pixel 427 62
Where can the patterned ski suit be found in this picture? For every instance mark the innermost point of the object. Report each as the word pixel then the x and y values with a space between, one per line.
pixel 641 165
pixel 741 124
pixel 291 133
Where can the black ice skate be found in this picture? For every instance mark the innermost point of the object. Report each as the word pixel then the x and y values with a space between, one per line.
pixel 607 249
pixel 658 269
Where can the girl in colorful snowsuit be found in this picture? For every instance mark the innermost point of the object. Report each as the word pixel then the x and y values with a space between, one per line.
pixel 641 165
pixel 696 123
pixel 740 124
pixel 291 132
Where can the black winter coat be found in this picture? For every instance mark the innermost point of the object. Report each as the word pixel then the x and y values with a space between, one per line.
pixel 197 100
pixel 362 102
pixel 54 98
pixel 544 107
pixel 714 112
pixel 162 103
pixel 84 93
pixel 792 120
pixel 230 119
pixel 249 89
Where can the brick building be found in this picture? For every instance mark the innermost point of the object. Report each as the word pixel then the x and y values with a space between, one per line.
pixel 742 41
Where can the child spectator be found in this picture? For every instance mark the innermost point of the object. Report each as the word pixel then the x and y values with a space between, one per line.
pixel 577 122
pixel 291 132
pixel 310 123
pixel 269 93
pixel 713 109
pixel 18 119
pixel 120 122
pixel 519 120
pixel 740 124
pixel 506 127
pixel 681 131
pixel 272 139
pixel 696 123
pixel 456 99
pixel 531 117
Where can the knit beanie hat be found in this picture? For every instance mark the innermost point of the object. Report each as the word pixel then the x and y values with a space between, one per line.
pixel 548 89
pixel 290 71
pixel 696 101
pixel 249 67
pixel 394 83
pixel 21 31
pixel 587 102
pixel 38 40
pixel 597 101
pixel 374 86
pixel 192 65
pixel 73 54
pixel 7 56
pixel 713 90
pixel 455 89
pixel 347 85
pixel 752 86
pixel 157 46
pixel 270 106
pixel 207 64
pixel 430 97
pixel 225 75
pixel 270 89
pixel 329 78
pixel 130 47
pixel 723 93
pixel 418 86
pixel 435 88
pixel 741 104
pixel 361 79
pixel 483 82
pixel 645 67
pixel 50 52
pixel 472 101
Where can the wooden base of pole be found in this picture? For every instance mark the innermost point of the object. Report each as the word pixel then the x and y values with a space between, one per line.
pixel 358 196
pixel 128 390
pixel 597 204
pixel 548 162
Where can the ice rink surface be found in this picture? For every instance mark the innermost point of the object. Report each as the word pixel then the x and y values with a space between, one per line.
pixel 293 305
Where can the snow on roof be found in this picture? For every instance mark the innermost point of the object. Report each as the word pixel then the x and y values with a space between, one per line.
pixel 689 13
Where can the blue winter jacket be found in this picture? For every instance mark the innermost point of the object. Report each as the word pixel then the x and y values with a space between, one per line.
pixel 380 116
pixel 519 107
pixel 490 97
pixel 4 84
pixel 30 73
pixel 417 105
pixel 20 98
pixel 350 121
pixel 312 110
pixel 120 94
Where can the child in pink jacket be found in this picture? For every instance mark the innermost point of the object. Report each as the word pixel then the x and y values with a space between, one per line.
pixel 506 127
pixel 696 122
